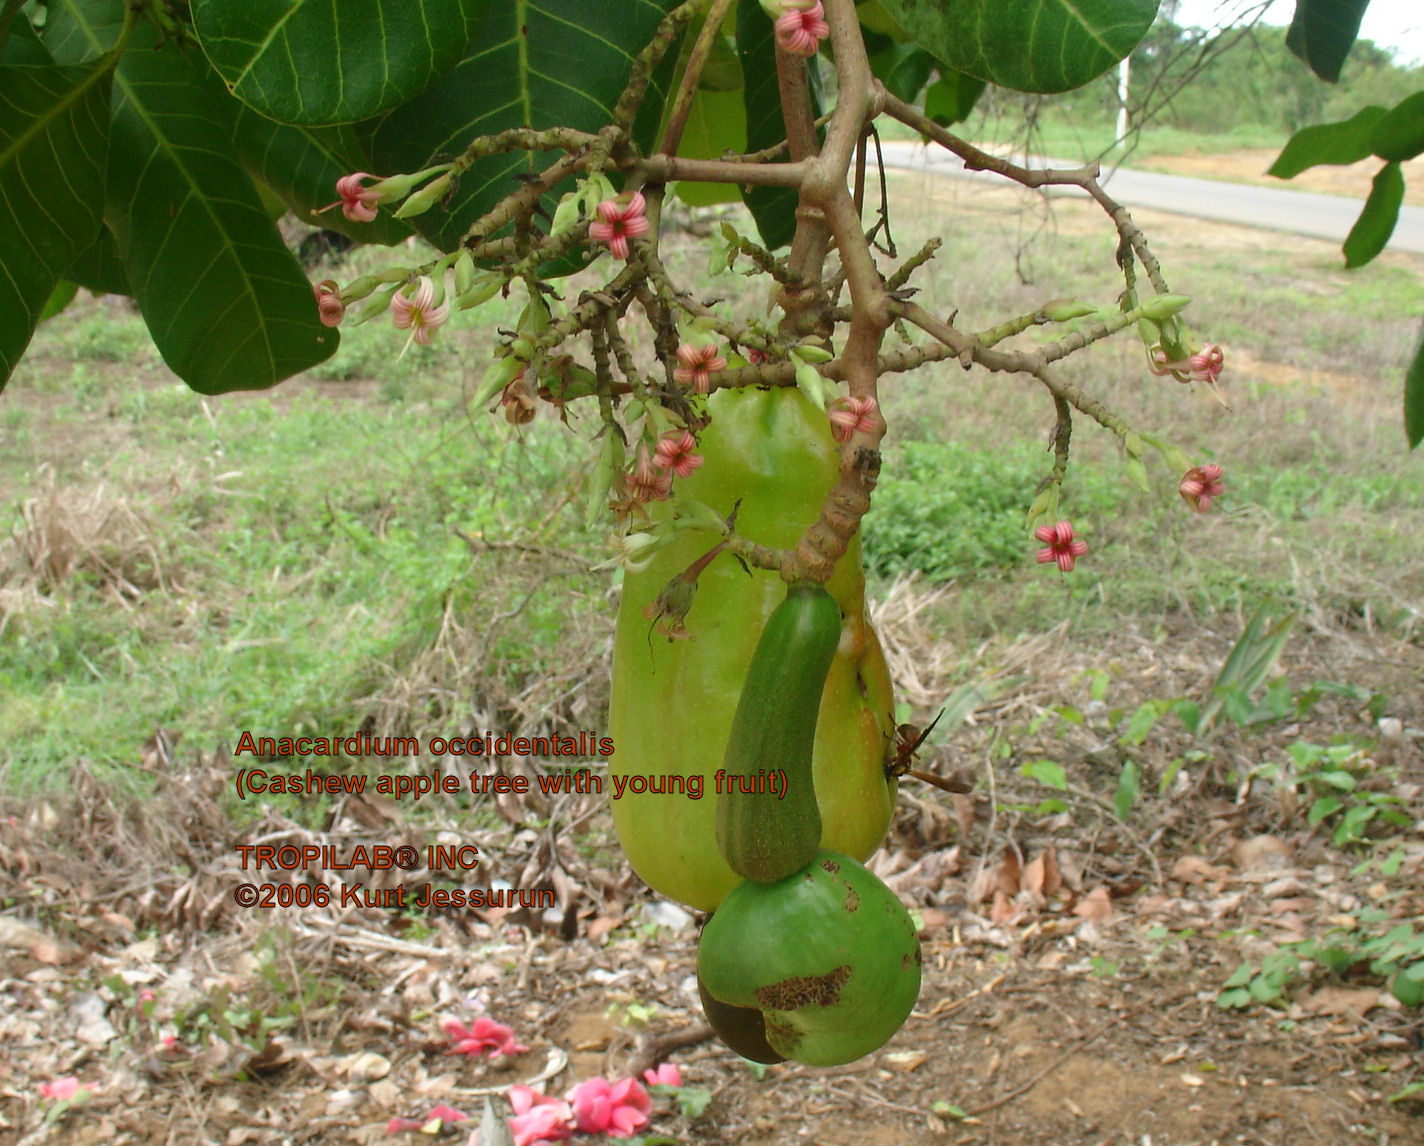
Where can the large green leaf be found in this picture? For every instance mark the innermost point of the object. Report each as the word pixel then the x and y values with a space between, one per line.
pixel 225 301
pixel 773 208
pixel 1336 143
pixel 54 137
pixel 1400 134
pixel 302 164
pixel 535 63
pixel 1414 395
pixel 1027 45
pixel 325 61
pixel 99 268
pixel 951 98
pixel 716 124
pixel 1375 225
pixel 23 44
pixel 1323 31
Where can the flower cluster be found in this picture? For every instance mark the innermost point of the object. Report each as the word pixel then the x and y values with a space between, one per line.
pixel 1203 366
pixel 596 1106
pixel 800 25
pixel 850 416
pixel 1199 485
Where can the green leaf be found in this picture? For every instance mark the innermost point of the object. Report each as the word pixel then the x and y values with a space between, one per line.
pixel 319 62
pixel 1400 134
pixel 1322 33
pixel 1322 808
pixel 773 208
pixel 716 123
pixel 1408 985
pixel 951 98
pixel 59 298
pixel 1335 143
pixel 1372 229
pixel 23 45
pixel 1127 789
pixel 904 69
pixel 1027 45
pixel 99 268
pixel 1046 772
pixel 54 138
pixel 537 64
pixel 1414 395
pixel 225 301
pixel 302 164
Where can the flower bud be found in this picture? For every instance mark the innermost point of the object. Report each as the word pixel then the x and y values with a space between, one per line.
pixel 500 374
pixel 809 381
pixel 1065 309
pixel 427 197
pixel 1163 306
pixel 810 351
pixel 464 272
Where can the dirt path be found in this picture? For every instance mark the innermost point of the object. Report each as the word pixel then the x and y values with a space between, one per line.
pixel 1250 166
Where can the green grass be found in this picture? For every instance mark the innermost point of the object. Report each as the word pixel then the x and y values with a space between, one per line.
pixel 299 570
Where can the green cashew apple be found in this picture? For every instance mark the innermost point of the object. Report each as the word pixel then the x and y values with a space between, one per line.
pixel 828 956
pixel 673 702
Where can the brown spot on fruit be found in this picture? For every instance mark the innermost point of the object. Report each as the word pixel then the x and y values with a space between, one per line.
pixel 852 901
pixel 805 990
pixel 829 866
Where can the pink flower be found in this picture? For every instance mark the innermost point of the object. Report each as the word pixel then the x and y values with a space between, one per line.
pixel 61 1089
pixel 329 306
pixel 1203 366
pixel 446 1115
pixel 851 415
pixel 537 1117
pixel 1199 485
pixel 619 220
pixel 667 1074
pixel 482 1035
pixel 699 362
pixel 800 30
pixel 616 1109
pixel 675 452
pixel 647 482
pixel 418 312
pixel 1060 545
pixel 357 203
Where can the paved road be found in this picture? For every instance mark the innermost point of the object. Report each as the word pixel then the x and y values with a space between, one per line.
pixel 1299 212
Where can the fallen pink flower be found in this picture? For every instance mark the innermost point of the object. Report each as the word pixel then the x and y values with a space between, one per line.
pixel 537 1117
pixel 699 361
pixel 800 30
pixel 418 313
pixel 1199 485
pixel 618 221
pixel 1059 545
pixel 667 1074
pixel 851 415
pixel 329 306
pixel 677 452
pixel 61 1089
pixel 616 1109
pixel 480 1036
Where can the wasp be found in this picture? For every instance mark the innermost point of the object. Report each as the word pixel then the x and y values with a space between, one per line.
pixel 908 738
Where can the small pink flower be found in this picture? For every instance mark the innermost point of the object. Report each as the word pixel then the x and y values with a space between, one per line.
pixel 329 306
pixel 418 312
pixel 618 221
pixel 1199 485
pixel 676 452
pixel 61 1089
pixel 851 415
pixel 357 203
pixel 537 1117
pixel 480 1036
pixel 667 1074
pixel 616 1109
pixel 445 1114
pixel 1060 545
pixel 756 357
pixel 1203 366
pixel 401 1125
pixel 799 31
pixel 699 362
pixel 647 482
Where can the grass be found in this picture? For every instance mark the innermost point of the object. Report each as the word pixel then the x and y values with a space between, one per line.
pixel 362 548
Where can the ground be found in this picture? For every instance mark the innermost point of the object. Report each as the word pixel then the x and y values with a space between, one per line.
pixel 1076 954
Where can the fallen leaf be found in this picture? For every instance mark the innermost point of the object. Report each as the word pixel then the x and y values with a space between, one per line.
pixel 1341 1001
pixel 1194 869
pixel 1094 905
pixel 1261 852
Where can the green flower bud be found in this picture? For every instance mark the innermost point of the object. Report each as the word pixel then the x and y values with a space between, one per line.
pixel 427 197
pixel 810 351
pixel 1065 309
pixel 500 374
pixel 1164 306
pixel 464 272
pixel 809 381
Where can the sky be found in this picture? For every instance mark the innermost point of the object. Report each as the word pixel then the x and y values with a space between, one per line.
pixel 1397 24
